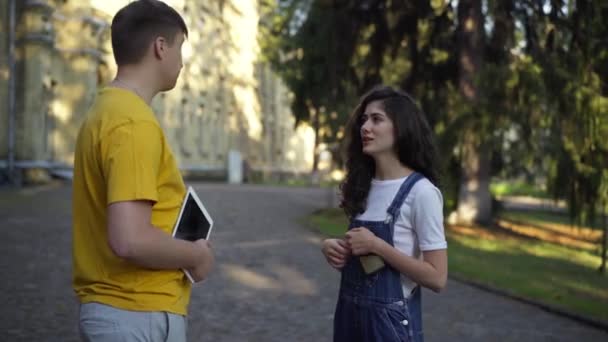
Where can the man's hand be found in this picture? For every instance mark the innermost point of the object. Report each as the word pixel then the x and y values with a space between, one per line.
pixel 336 252
pixel 361 241
pixel 203 268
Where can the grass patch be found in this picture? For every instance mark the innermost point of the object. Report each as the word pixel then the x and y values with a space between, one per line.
pixel 542 270
pixel 329 222
pixel 544 217
pixel 539 270
pixel 517 189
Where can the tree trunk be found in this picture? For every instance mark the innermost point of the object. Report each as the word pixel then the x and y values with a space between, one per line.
pixel 315 125
pixel 602 268
pixel 474 200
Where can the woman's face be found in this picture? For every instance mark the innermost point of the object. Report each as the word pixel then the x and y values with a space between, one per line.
pixel 377 130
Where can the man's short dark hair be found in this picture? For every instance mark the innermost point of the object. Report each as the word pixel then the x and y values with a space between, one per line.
pixel 136 26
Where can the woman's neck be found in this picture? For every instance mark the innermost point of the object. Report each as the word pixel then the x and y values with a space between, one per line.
pixel 389 167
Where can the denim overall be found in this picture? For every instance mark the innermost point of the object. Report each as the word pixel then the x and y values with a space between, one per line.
pixel 372 307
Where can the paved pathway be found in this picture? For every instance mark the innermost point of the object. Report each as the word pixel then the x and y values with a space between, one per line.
pixel 270 284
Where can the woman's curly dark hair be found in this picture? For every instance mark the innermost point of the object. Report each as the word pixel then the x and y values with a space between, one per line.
pixel 414 145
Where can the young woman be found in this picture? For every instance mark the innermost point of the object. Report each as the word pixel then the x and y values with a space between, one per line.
pixel 395 242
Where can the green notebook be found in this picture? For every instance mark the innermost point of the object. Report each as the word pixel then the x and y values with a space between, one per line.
pixel 371 263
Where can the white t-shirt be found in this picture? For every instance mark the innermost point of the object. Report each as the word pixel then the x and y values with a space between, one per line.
pixel 419 225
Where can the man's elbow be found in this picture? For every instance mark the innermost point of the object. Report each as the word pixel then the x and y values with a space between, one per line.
pixel 122 247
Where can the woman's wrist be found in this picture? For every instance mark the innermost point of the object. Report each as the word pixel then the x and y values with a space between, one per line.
pixel 379 247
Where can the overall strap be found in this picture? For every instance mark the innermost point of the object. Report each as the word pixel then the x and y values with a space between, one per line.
pixel 404 190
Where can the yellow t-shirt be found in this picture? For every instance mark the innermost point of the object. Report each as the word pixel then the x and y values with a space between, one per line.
pixel 122 155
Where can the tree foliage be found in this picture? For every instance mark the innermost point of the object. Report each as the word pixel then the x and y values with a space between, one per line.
pixel 541 103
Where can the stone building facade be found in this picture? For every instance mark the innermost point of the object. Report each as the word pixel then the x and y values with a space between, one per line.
pixel 225 100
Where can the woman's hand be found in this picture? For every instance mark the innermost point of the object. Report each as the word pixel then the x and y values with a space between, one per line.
pixel 336 252
pixel 362 241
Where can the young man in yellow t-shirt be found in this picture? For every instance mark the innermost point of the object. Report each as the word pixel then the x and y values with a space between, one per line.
pixel 127 192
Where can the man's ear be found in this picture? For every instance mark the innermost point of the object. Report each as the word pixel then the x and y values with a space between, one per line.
pixel 160 47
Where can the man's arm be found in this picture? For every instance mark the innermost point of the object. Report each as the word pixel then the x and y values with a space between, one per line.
pixel 132 237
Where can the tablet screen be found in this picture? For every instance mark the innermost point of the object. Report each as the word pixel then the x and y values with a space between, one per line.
pixel 193 224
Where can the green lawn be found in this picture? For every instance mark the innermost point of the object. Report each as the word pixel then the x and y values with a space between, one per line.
pixel 543 217
pixel 531 268
pixel 534 269
pixel 330 222
pixel 509 188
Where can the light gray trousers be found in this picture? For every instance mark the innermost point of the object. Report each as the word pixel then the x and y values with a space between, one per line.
pixel 104 323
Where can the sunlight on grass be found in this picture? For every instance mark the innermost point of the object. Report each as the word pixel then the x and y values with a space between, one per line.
pixel 482 239
pixel 557 222
pixel 559 280
pixel 586 288
pixel 517 189
pixel 484 245
pixel 546 234
pixel 557 252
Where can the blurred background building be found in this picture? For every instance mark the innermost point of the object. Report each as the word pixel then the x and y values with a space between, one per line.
pixel 58 54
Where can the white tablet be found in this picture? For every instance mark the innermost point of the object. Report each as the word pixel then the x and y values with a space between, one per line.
pixel 193 222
